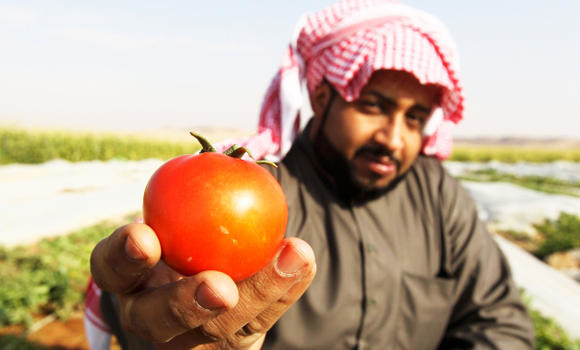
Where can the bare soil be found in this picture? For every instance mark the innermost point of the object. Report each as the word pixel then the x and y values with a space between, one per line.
pixel 57 335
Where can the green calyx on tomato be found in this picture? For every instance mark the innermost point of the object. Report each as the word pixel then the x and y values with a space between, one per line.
pixel 214 211
pixel 234 151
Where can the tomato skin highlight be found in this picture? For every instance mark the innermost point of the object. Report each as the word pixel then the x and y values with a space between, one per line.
pixel 214 212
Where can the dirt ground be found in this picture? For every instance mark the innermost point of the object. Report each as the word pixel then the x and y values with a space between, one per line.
pixel 57 335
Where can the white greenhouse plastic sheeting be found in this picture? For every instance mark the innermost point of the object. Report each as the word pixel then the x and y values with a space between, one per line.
pixel 562 170
pixel 58 197
pixel 551 292
pixel 507 206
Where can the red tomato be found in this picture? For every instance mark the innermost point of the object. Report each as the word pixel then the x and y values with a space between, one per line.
pixel 214 212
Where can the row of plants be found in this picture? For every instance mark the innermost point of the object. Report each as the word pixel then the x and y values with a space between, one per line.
pixel 16 342
pixel 553 236
pixel 559 235
pixel 512 154
pixel 50 277
pixel 21 146
pixel 548 333
pixel 536 183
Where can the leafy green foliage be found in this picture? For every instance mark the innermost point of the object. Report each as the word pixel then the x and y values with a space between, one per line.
pixel 15 342
pixel 549 334
pixel 554 236
pixel 20 146
pixel 48 277
pixel 513 154
pixel 558 235
pixel 537 183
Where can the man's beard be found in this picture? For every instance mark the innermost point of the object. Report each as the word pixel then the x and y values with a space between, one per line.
pixel 343 173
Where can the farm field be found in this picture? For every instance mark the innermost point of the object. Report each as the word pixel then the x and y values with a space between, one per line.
pixel 89 196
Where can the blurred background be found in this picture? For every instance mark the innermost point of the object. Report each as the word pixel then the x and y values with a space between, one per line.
pixel 94 96
pixel 149 64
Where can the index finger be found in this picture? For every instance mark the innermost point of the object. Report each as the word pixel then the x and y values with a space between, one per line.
pixel 122 261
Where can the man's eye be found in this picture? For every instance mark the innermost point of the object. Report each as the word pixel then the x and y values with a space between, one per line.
pixel 415 120
pixel 370 105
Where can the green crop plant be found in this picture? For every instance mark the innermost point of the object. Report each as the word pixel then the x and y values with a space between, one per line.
pixel 21 146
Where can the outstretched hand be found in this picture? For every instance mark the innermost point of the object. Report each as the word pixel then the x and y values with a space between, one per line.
pixel 208 309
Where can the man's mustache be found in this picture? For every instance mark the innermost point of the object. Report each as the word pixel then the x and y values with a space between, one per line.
pixel 379 151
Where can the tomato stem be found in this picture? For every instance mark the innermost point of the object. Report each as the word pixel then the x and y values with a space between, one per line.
pixel 263 161
pixel 233 151
pixel 237 151
pixel 205 144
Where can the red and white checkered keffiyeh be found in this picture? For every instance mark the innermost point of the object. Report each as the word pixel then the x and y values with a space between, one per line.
pixel 344 44
pixel 96 329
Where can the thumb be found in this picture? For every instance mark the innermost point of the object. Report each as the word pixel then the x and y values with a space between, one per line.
pixel 122 261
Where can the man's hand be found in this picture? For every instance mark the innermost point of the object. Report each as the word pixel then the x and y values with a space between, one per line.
pixel 176 311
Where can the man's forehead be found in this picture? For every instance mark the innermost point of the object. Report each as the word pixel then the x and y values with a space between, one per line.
pixel 398 83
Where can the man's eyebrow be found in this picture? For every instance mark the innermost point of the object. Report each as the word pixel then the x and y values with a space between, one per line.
pixel 393 102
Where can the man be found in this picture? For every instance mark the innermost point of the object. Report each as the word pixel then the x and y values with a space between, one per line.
pixel 403 262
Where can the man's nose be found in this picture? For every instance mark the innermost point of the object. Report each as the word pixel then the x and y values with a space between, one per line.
pixel 391 134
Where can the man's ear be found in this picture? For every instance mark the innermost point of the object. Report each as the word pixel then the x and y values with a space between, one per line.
pixel 320 98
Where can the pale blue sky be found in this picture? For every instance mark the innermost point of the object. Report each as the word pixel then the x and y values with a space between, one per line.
pixel 147 64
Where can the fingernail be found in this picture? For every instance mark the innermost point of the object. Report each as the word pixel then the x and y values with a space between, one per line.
pixel 133 250
pixel 289 261
pixel 207 298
